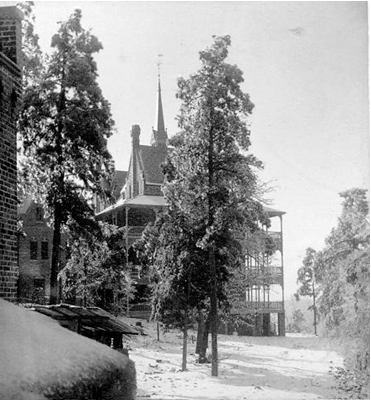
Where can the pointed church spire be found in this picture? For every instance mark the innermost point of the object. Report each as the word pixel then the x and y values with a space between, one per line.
pixel 160 113
pixel 159 136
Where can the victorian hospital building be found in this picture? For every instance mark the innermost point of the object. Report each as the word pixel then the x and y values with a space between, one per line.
pixel 138 199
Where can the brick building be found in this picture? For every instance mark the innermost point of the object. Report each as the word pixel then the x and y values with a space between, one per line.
pixel 10 94
pixel 35 240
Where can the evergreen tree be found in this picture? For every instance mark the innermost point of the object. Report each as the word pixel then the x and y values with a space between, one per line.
pixel 307 278
pixel 96 271
pixel 209 177
pixel 176 271
pixel 342 275
pixel 32 55
pixel 344 279
pixel 64 126
pixel 296 322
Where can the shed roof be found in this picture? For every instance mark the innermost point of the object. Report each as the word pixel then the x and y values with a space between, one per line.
pixel 92 319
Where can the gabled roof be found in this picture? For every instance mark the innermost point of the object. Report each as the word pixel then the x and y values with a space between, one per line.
pixel 118 183
pixel 114 187
pixel 152 157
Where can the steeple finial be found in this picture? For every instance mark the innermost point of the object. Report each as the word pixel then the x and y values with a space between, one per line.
pixel 159 66
pixel 159 136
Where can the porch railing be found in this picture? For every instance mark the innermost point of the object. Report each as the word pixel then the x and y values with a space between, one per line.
pixel 251 307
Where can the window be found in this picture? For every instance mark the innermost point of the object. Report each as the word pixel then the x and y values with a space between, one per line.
pixel 39 213
pixel 44 250
pixel 38 283
pixel 33 249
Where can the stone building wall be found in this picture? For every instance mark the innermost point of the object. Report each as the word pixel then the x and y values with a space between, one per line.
pixel 10 94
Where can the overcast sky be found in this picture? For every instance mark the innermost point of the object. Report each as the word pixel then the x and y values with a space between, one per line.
pixel 305 68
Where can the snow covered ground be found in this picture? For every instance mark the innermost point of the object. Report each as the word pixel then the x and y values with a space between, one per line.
pixel 271 368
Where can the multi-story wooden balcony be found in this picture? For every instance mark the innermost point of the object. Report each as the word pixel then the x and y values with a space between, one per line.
pixel 277 237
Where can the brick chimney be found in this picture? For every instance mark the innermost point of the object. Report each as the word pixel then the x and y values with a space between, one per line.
pixel 134 184
pixel 11 34
pixel 10 94
pixel 135 133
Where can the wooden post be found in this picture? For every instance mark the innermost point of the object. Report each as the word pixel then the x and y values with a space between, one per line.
pixel 127 257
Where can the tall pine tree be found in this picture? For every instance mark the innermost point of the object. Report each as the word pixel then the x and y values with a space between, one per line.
pixel 64 126
pixel 32 55
pixel 307 279
pixel 209 176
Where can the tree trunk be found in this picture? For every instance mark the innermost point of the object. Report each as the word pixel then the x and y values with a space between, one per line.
pixel 158 331
pixel 185 338
pixel 55 254
pixel 60 187
pixel 314 309
pixel 212 261
pixel 200 330
pixel 202 339
pixel 213 314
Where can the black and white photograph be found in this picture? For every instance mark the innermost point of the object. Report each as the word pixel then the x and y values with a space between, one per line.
pixel 184 200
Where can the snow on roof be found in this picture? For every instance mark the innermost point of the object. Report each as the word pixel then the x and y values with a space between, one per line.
pixel 139 201
pixel 273 212
pixel 159 201
pixel 147 201
pixel 91 318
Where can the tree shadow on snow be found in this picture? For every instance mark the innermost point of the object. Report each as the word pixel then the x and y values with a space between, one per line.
pixel 263 373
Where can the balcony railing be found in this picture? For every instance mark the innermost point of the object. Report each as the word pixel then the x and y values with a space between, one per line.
pixel 251 307
pixel 275 270
pixel 267 275
pixel 141 307
pixel 135 231
pixel 140 311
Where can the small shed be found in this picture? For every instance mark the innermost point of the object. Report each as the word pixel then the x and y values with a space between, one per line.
pixel 92 322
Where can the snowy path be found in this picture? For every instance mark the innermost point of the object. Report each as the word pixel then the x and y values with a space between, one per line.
pixel 275 368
